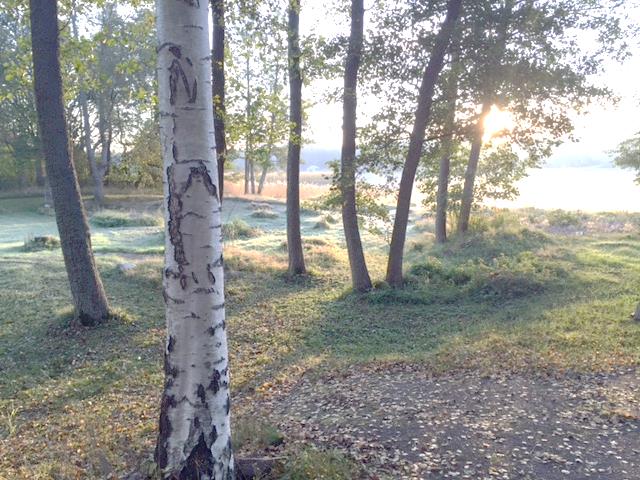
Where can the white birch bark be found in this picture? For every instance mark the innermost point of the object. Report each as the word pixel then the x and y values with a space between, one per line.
pixel 195 438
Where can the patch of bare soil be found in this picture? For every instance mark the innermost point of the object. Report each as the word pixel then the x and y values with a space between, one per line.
pixel 404 424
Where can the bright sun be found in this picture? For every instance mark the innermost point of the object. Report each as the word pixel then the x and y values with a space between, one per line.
pixel 496 122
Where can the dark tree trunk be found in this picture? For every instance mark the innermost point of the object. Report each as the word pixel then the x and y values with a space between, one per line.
pixel 246 173
pixel 252 172
pixel 263 177
pixel 442 197
pixel 423 113
pixel 294 238
pixel 472 168
pixel 359 274
pixel 247 140
pixel 40 175
pixel 217 68
pixel 96 176
pixel 89 298
pixel 107 167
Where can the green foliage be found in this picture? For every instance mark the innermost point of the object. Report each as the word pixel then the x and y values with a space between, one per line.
pixel 118 218
pixel 311 464
pixel 373 216
pixel 255 434
pixel 265 214
pixel 498 171
pixel 534 302
pixel 564 218
pixel 627 155
pixel 239 229
pixel 45 242
pixel 141 165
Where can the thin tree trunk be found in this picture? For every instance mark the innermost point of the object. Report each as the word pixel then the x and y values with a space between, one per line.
pixel 294 238
pixel 194 440
pixel 472 168
pixel 636 315
pixel 246 172
pixel 442 196
pixel 263 177
pixel 247 140
pixel 359 274
pixel 271 141
pixel 96 175
pixel 107 166
pixel 423 113
pixel 88 294
pixel 489 89
pixel 40 174
pixel 218 85
pixel 252 172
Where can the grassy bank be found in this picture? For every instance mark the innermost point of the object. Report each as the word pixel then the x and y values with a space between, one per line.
pixel 518 293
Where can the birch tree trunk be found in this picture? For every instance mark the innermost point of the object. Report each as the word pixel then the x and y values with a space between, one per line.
pixel 359 274
pixel 194 440
pixel 472 168
pixel 416 141
pixel 218 85
pixel 88 294
pixel 294 237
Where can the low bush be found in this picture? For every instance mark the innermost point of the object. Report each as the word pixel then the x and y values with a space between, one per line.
pixel 117 218
pixel 46 242
pixel 237 229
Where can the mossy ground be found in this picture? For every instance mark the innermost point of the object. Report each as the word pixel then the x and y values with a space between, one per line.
pixel 513 295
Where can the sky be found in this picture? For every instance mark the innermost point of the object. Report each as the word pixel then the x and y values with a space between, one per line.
pixel 597 132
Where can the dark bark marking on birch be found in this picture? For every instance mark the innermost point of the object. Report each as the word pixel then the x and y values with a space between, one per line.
pixel 202 173
pixel 210 274
pixel 175 210
pixel 192 3
pixel 171 343
pixel 170 370
pixel 199 462
pixel 204 290
pixel 168 402
pixel 212 330
pixel 227 405
pixel 177 74
pixel 201 394
pixel 214 385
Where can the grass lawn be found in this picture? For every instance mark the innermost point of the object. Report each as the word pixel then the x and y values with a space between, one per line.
pixel 525 291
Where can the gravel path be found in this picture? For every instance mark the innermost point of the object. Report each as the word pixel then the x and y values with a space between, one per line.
pixel 404 424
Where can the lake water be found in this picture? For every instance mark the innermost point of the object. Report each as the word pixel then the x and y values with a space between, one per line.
pixel 584 188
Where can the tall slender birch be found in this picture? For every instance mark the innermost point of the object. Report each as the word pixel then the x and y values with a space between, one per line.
pixel 195 436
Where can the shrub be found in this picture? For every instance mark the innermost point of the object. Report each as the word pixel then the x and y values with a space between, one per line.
pixel 325 465
pixel 322 225
pixel 264 214
pixel 117 218
pixel 563 218
pixel 46 242
pixel 237 229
